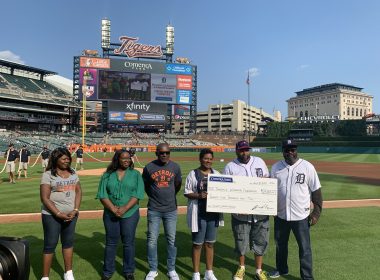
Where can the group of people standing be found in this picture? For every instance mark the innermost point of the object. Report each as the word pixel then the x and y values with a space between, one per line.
pixel 12 156
pixel 121 188
pixel 23 156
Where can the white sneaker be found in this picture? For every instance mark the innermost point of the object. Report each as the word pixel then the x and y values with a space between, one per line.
pixel 68 275
pixel 173 275
pixel 45 278
pixel 209 275
pixel 196 276
pixel 151 275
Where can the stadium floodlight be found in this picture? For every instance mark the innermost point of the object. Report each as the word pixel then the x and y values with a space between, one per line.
pixel 169 39
pixel 106 33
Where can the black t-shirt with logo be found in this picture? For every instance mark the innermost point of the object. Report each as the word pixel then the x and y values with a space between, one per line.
pixel 12 155
pixel 25 153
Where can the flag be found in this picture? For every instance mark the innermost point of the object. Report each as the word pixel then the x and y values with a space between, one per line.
pixel 248 79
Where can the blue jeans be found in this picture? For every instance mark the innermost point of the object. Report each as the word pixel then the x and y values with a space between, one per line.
pixel 126 229
pixel 169 219
pixel 53 229
pixel 206 232
pixel 301 231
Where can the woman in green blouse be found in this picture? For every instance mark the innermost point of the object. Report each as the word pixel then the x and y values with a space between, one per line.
pixel 120 189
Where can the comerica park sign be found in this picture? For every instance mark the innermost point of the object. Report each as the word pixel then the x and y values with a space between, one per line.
pixel 131 48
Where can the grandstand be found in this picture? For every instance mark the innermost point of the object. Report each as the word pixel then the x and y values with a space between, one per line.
pixel 35 112
pixel 29 103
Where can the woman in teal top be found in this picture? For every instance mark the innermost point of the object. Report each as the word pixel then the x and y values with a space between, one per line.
pixel 120 189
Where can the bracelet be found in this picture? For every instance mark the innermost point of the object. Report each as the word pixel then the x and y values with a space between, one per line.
pixel 59 212
pixel 76 210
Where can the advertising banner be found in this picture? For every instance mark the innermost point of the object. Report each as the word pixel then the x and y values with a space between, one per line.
pixel 163 88
pixel 137 66
pixel 137 112
pixel 180 112
pixel 94 62
pixel 88 81
pixel 184 96
pixel 184 82
pixel 179 69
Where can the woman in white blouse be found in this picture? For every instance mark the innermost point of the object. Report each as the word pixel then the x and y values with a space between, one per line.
pixel 203 224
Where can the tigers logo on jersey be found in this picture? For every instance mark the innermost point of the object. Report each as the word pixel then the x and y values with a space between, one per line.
pixel 259 172
pixel 300 178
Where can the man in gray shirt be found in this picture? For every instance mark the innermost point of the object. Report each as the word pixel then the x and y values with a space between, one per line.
pixel 162 180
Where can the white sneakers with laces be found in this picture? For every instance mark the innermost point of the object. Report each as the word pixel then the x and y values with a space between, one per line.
pixel 151 275
pixel 173 275
pixel 68 275
pixel 196 276
pixel 209 275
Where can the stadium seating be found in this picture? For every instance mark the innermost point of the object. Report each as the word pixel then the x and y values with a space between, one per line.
pixel 23 83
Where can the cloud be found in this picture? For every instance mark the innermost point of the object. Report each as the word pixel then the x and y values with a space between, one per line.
pixel 10 56
pixel 253 72
pixel 303 66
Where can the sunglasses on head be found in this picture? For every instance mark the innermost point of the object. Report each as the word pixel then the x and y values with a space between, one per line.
pixel 163 153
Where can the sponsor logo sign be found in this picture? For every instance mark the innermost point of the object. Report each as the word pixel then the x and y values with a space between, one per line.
pixel 137 112
pixel 88 81
pixel 137 66
pixel 178 69
pixel 94 62
pixel 183 96
pixel 181 117
pixel 184 82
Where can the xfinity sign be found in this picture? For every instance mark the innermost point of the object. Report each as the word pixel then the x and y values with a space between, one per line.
pixel 137 107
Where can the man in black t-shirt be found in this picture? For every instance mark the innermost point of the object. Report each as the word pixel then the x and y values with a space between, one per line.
pixel 24 161
pixel 79 154
pixel 162 180
pixel 12 156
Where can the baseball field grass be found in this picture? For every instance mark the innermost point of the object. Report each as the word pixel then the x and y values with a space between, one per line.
pixel 23 197
pixel 345 246
pixel 345 241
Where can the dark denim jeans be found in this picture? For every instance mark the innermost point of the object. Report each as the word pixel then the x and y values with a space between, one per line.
pixel 55 228
pixel 169 220
pixel 126 229
pixel 301 231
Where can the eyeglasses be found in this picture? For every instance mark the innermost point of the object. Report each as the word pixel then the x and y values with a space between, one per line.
pixel 164 153
pixel 290 150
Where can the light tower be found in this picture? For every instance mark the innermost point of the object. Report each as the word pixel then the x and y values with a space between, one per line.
pixel 169 42
pixel 106 35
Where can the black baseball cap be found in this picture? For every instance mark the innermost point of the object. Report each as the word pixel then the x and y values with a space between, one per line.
pixel 242 145
pixel 289 143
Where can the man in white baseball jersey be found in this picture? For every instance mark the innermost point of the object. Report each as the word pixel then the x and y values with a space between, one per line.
pixel 251 232
pixel 298 182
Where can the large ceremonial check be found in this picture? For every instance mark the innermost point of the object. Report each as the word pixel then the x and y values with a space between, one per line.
pixel 241 195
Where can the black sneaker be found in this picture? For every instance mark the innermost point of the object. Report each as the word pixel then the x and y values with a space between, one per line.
pixel 129 276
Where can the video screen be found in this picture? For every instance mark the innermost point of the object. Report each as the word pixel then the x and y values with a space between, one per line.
pixel 115 85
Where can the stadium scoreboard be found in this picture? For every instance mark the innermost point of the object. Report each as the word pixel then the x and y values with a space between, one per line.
pixel 137 91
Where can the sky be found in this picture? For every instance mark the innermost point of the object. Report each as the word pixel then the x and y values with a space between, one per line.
pixel 284 45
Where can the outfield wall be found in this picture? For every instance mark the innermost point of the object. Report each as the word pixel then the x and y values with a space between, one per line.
pixel 343 150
